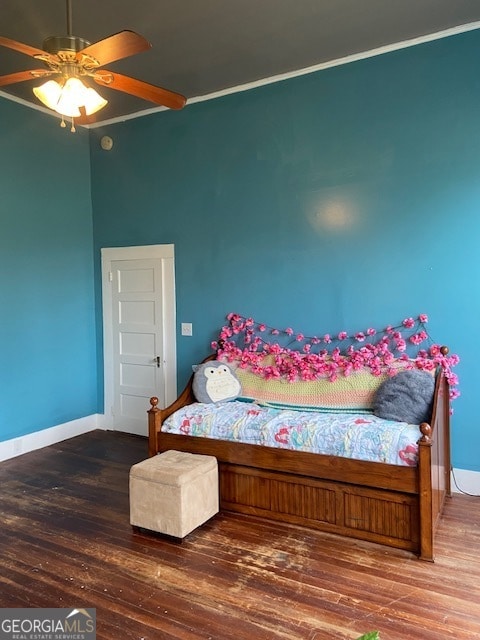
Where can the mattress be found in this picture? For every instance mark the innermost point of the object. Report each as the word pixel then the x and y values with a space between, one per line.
pixel 358 436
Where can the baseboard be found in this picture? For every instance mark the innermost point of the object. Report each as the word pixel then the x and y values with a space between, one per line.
pixel 32 441
pixel 464 481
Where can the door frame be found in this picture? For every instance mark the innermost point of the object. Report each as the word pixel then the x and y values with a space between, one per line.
pixel 165 252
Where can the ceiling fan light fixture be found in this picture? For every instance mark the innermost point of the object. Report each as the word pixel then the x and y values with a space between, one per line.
pixel 72 59
pixel 67 99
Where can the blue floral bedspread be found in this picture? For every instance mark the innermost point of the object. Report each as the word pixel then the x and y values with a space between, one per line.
pixel 361 437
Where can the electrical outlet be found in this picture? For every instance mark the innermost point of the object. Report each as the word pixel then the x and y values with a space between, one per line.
pixel 187 329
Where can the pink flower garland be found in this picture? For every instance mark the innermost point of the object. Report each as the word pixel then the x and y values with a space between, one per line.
pixel 378 351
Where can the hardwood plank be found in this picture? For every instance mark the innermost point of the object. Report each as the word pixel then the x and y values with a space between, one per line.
pixel 66 541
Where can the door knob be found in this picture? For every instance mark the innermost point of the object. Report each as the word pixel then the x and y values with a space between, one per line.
pixel 157 360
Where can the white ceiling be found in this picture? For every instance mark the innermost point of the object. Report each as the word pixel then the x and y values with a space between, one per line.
pixel 205 47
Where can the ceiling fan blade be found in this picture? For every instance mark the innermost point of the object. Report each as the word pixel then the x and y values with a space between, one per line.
pixel 22 76
pixel 120 45
pixel 21 47
pixel 140 89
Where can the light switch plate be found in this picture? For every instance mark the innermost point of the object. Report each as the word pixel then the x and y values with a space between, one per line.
pixel 187 329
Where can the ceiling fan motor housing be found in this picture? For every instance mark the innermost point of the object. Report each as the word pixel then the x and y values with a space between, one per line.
pixel 54 44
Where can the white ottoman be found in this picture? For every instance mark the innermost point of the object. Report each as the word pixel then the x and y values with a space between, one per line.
pixel 173 492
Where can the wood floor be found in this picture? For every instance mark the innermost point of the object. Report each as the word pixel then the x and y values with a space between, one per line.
pixel 65 541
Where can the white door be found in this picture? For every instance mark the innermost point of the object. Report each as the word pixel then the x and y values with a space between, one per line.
pixel 140 340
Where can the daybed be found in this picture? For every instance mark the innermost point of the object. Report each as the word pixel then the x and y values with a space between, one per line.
pixel 398 506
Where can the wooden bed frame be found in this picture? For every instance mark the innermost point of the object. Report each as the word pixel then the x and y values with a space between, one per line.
pixel 383 503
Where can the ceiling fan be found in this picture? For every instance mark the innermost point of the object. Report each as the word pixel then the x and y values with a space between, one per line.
pixel 72 63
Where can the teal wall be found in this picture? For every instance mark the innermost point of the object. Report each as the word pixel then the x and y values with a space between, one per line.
pixel 337 200
pixel 47 328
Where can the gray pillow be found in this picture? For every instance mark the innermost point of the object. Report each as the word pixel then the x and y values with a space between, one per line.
pixel 215 382
pixel 406 397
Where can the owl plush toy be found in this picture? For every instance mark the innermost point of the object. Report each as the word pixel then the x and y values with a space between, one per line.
pixel 215 382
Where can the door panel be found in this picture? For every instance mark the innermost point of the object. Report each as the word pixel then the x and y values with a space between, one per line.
pixel 137 340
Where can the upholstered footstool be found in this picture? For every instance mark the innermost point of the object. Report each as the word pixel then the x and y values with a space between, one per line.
pixel 173 492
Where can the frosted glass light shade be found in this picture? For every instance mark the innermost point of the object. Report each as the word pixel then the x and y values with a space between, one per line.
pixel 48 93
pixel 93 101
pixel 68 99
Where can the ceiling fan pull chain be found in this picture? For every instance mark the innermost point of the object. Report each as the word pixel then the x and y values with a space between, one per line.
pixel 62 123
pixel 72 128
